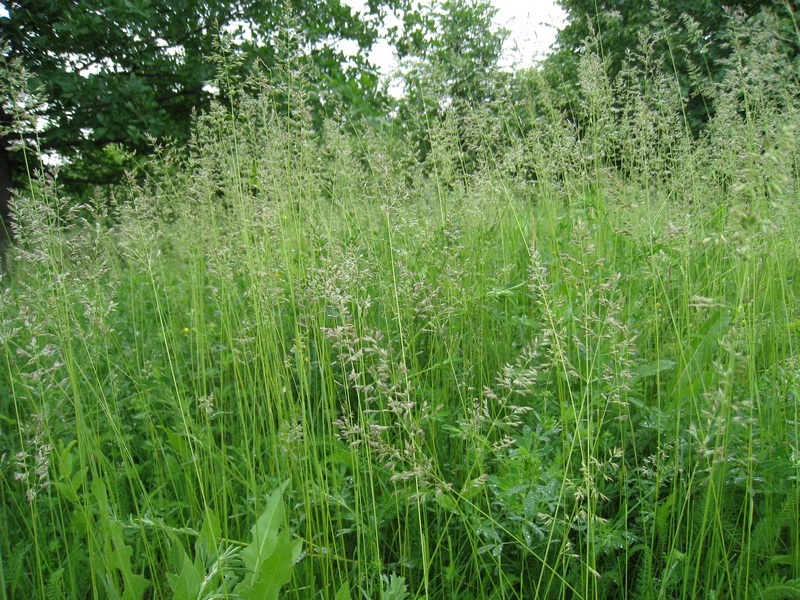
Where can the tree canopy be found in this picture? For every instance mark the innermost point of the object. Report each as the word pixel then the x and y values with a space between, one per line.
pixel 117 74
pixel 689 37
pixel 451 50
pixel 449 54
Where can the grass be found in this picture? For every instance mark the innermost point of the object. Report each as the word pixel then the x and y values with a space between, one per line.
pixel 323 366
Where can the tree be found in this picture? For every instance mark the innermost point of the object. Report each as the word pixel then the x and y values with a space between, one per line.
pixel 449 53
pixel 452 49
pixel 688 36
pixel 118 74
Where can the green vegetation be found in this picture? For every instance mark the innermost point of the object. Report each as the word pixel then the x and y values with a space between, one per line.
pixel 541 361
pixel 688 40
pixel 112 76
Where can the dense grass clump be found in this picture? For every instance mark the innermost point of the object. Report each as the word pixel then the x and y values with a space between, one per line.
pixel 320 365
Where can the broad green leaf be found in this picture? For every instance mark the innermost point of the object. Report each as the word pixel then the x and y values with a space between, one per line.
pixel 99 494
pixel 119 554
pixel 265 534
pixel 274 572
pixel 653 368
pixel 186 585
pixel 397 589
pixel 176 554
pixel 134 585
pixel 71 475
pixel 206 547
pixel 446 501
pixel 344 592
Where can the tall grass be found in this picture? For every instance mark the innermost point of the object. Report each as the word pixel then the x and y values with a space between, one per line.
pixel 315 364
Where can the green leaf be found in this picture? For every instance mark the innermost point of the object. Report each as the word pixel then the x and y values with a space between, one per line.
pixel 265 533
pixel 271 556
pixel 790 560
pixel 664 513
pixel 274 572
pixel 397 589
pixel 653 368
pixel 193 576
pixel 186 585
pixel 134 585
pixel 344 592
pixel 446 501
pixel 784 591
pixel 71 475
pixel 206 547
pixel 118 553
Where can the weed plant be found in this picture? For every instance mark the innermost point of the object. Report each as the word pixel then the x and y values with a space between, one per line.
pixel 311 363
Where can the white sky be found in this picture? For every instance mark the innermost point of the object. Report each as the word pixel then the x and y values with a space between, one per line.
pixel 533 25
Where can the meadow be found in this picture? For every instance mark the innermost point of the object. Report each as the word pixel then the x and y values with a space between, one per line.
pixel 544 361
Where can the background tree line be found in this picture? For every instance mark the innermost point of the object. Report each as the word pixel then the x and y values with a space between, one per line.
pixel 107 79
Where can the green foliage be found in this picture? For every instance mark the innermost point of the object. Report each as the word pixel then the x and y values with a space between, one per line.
pixel 450 51
pixel 115 76
pixel 449 55
pixel 270 557
pixel 114 554
pixel 689 41
pixel 256 570
pixel 583 384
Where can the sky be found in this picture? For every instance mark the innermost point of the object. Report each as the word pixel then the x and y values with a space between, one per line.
pixel 533 25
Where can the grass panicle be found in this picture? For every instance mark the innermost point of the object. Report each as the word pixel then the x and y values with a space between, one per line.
pixel 479 360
